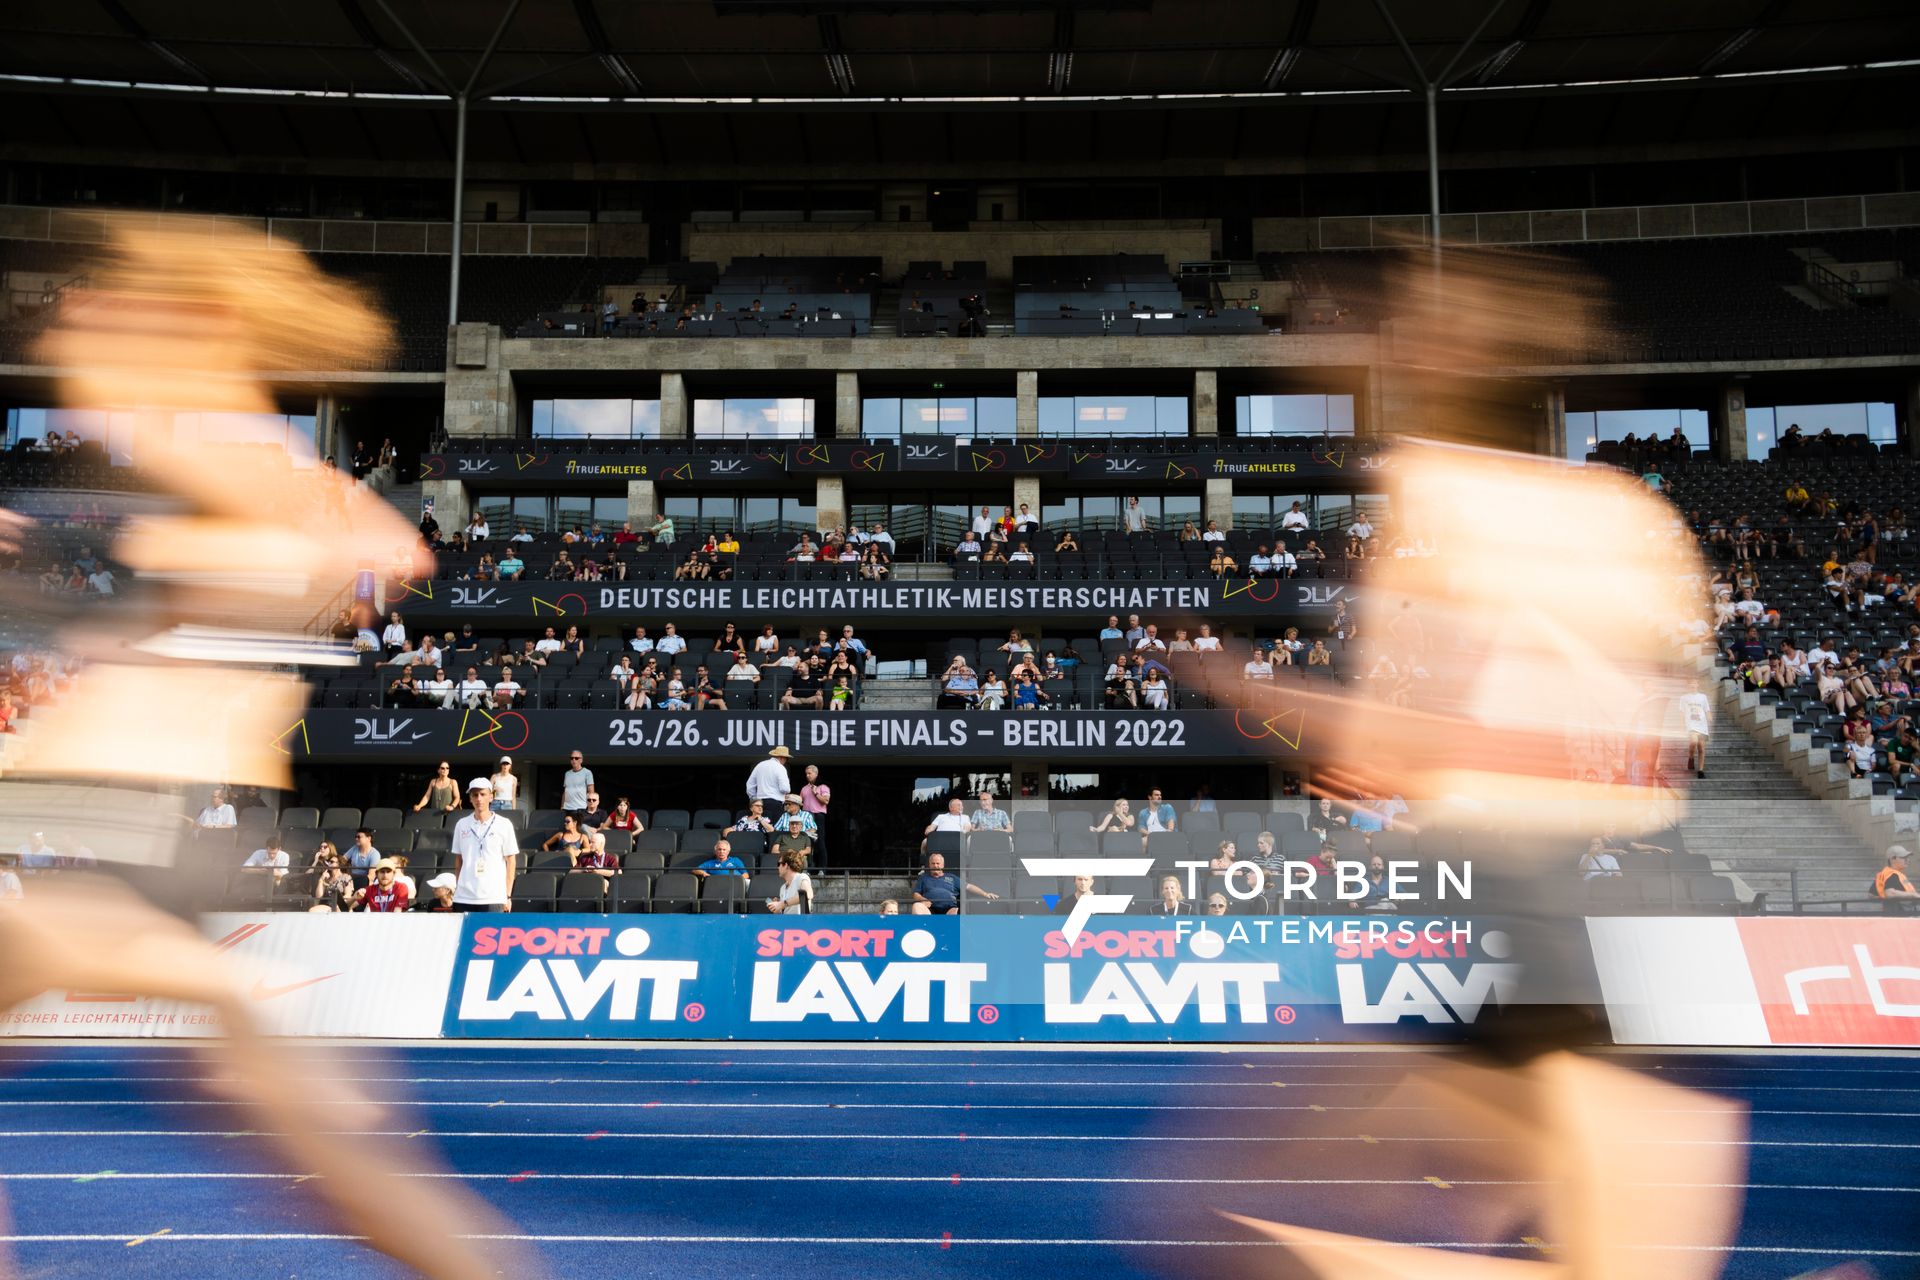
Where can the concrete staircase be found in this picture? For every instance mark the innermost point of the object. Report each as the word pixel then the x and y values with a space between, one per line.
pixel 405 499
pixel 860 894
pixel 1771 803
pixel 886 312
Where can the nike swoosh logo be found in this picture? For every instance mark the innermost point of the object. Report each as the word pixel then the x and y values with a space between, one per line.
pixel 261 991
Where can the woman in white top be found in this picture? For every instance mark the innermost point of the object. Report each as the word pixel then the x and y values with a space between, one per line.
pixel 477 529
pixel 743 670
pixel 766 641
pixel 993 692
pixel 394 638
pixel 506 785
pixel 623 670
pixel 1153 690
pixel 1206 641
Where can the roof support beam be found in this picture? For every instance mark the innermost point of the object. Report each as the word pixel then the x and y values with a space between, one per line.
pixel 156 48
pixel 1060 58
pixel 603 49
pixel 1741 39
pixel 357 19
pixel 1299 32
pixel 839 66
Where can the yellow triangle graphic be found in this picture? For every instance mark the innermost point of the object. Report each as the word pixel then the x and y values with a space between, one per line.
pixel 466 719
pixel 1034 451
pixel 1082 457
pixel 981 461
pixel 1299 717
pixel 1338 457
pixel 1175 471
pixel 682 472
pixel 305 747
pixel 525 460
pixel 1234 589
pixel 873 463
pixel 537 602
pixel 424 595
pixel 818 453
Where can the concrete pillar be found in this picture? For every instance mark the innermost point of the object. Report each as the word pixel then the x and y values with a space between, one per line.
pixel 846 406
pixel 830 502
pixel 643 503
pixel 1217 503
pixel 1369 412
pixel 326 426
pixel 1727 421
pixel 452 504
pixel 1906 416
pixel 1026 403
pixel 1026 489
pixel 676 421
pixel 1205 414
pixel 1554 441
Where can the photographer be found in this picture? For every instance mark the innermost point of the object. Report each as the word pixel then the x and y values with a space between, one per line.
pixel 974 315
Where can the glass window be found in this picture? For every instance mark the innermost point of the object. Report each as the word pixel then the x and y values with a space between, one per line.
pixel 771 418
pixel 798 513
pixel 886 417
pixel 1100 513
pixel 1332 511
pixel 759 514
pixel 1293 415
pixel 610 513
pixel 1113 415
pixel 1875 421
pixel 880 418
pixel 571 511
pixel 620 419
pixel 1252 510
pixel 530 512
pixel 994 415
pixel 1060 513
pixel 1178 508
pixel 1585 430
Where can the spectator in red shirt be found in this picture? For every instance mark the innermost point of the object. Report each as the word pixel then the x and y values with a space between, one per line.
pixel 626 536
pixel 386 893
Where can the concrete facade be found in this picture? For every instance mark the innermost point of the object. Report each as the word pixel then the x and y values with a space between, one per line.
pixel 846 405
pixel 1727 421
pixel 1205 406
pixel 675 422
pixel 1026 403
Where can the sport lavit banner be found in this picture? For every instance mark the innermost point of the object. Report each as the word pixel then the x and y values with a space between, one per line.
pixel 508 603
pixel 299 974
pixel 1254 979
pixel 1761 980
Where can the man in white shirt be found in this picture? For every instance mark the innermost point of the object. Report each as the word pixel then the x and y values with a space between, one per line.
pixel 1026 521
pixel 273 858
pixel 1260 563
pixel 641 642
pixel 768 782
pixel 1259 668
pixel 473 690
pixel 881 536
pixel 954 819
pixel 983 523
pixel 100 581
pixel 1295 519
pixel 218 812
pixel 1134 518
pixel 1151 641
pixel 549 643
pixel 1283 563
pixel 430 655
pixel 969 545
pixel 485 854
pixel 1360 529
pixel 522 536
pixel 1212 533
pixel 1820 655
pixel 670 642
pixel 574 784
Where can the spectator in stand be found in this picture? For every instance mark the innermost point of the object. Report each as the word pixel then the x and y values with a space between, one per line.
pixel 508 692
pixel 511 566
pixel 993 693
pixel 1172 902
pixel 940 891
pixel 1599 862
pixel 1066 902
pixel 575 783
pixel 795 895
pixel 755 819
pixel 441 796
pixel 549 643
pixel 594 815
pixel 840 696
pixel 1260 563
pixel 1134 519
pixel 1206 641
pixel 794 840
pixel 393 640
pixel 804 690
pixel 362 858
pixel 37 855
pixel 1121 688
pixel 1027 693
pixel 1119 818
pixel 641 642
pixel 722 862
pixel 1222 565
pixel 1257 666
pixel 485 855
pixel 569 839
pixel 707 696
pixel 1295 520
pixel 954 820
pixel 440 893
pixel 505 787
pixel 218 812
pixel 1892 885
pixel 385 893
pixel 1319 655
pixel 1155 693
pixel 768 781
pixel 988 818
pixel 271 857
pixel 1157 814
pixel 1860 750
pixel 671 643
pixel 961 688
pixel 1150 641
pixel 662 531
pixel 1216 904
pixel 333 889
pixel 595 857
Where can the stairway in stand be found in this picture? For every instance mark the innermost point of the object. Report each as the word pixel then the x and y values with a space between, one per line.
pixel 1758 823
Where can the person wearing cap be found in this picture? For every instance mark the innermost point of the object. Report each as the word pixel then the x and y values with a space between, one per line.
pixel 1892 887
pixel 506 785
pixel 768 781
pixel 485 853
pixel 794 810
pixel 442 887
pixel 385 893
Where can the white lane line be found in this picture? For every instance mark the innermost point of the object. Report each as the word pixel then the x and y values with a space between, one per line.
pixel 627 1104
pixel 604 1135
pixel 1077 1242
pixel 944 1057
pixel 946 1179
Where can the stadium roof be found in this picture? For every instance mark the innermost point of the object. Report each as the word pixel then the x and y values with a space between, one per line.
pixel 778 58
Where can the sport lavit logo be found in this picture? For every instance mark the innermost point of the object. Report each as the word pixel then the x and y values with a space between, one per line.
pixel 838 986
pixel 569 975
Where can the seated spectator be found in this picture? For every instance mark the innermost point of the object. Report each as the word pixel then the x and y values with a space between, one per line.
pixel 472 691
pixel 1892 886
pixel 333 889
pixel 1135 632
pixel 640 643
pixel 594 856
pixel 1027 693
pixel 1150 641
pixel 1121 688
pixel 674 696
pixel 840 696
pixel 1599 862
pixel 804 551
pixel 795 838
pixel 1066 542
pixel 1258 667
pixel 1289 648
pixel 968 548
pixel 218 812
pixel 270 857
pixel 507 693
pixel 362 857
pixel 795 895
pixel 804 690
pixel 722 862
pixel 1260 563
pixel 1311 559
pixel 1112 631
pixel 938 891
pixel 693 569
pixel 755 819
pixel 707 696
pixel 385 893
pixel 1157 814
pixel 1220 564
pixel 1217 904
pixel 986 817
pixel 1066 902
pixel 511 566
pixel 1155 692
pixel 960 690
pixel 1206 641
pixel 1319 655
pixel 993 693
pixel 1119 818
pixel 743 669
pixel 671 643
pixel 953 820
pixel 1172 902
pixel 569 839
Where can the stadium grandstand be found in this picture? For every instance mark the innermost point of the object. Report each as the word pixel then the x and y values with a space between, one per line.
pixel 975 459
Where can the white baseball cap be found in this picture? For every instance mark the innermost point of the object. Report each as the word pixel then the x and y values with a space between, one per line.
pixel 506 759
pixel 445 880
pixel 480 784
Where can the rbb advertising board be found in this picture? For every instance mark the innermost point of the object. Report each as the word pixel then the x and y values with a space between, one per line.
pixel 1248 979
pixel 1756 980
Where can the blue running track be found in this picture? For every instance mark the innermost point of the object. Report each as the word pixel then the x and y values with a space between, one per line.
pixel 726 1162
